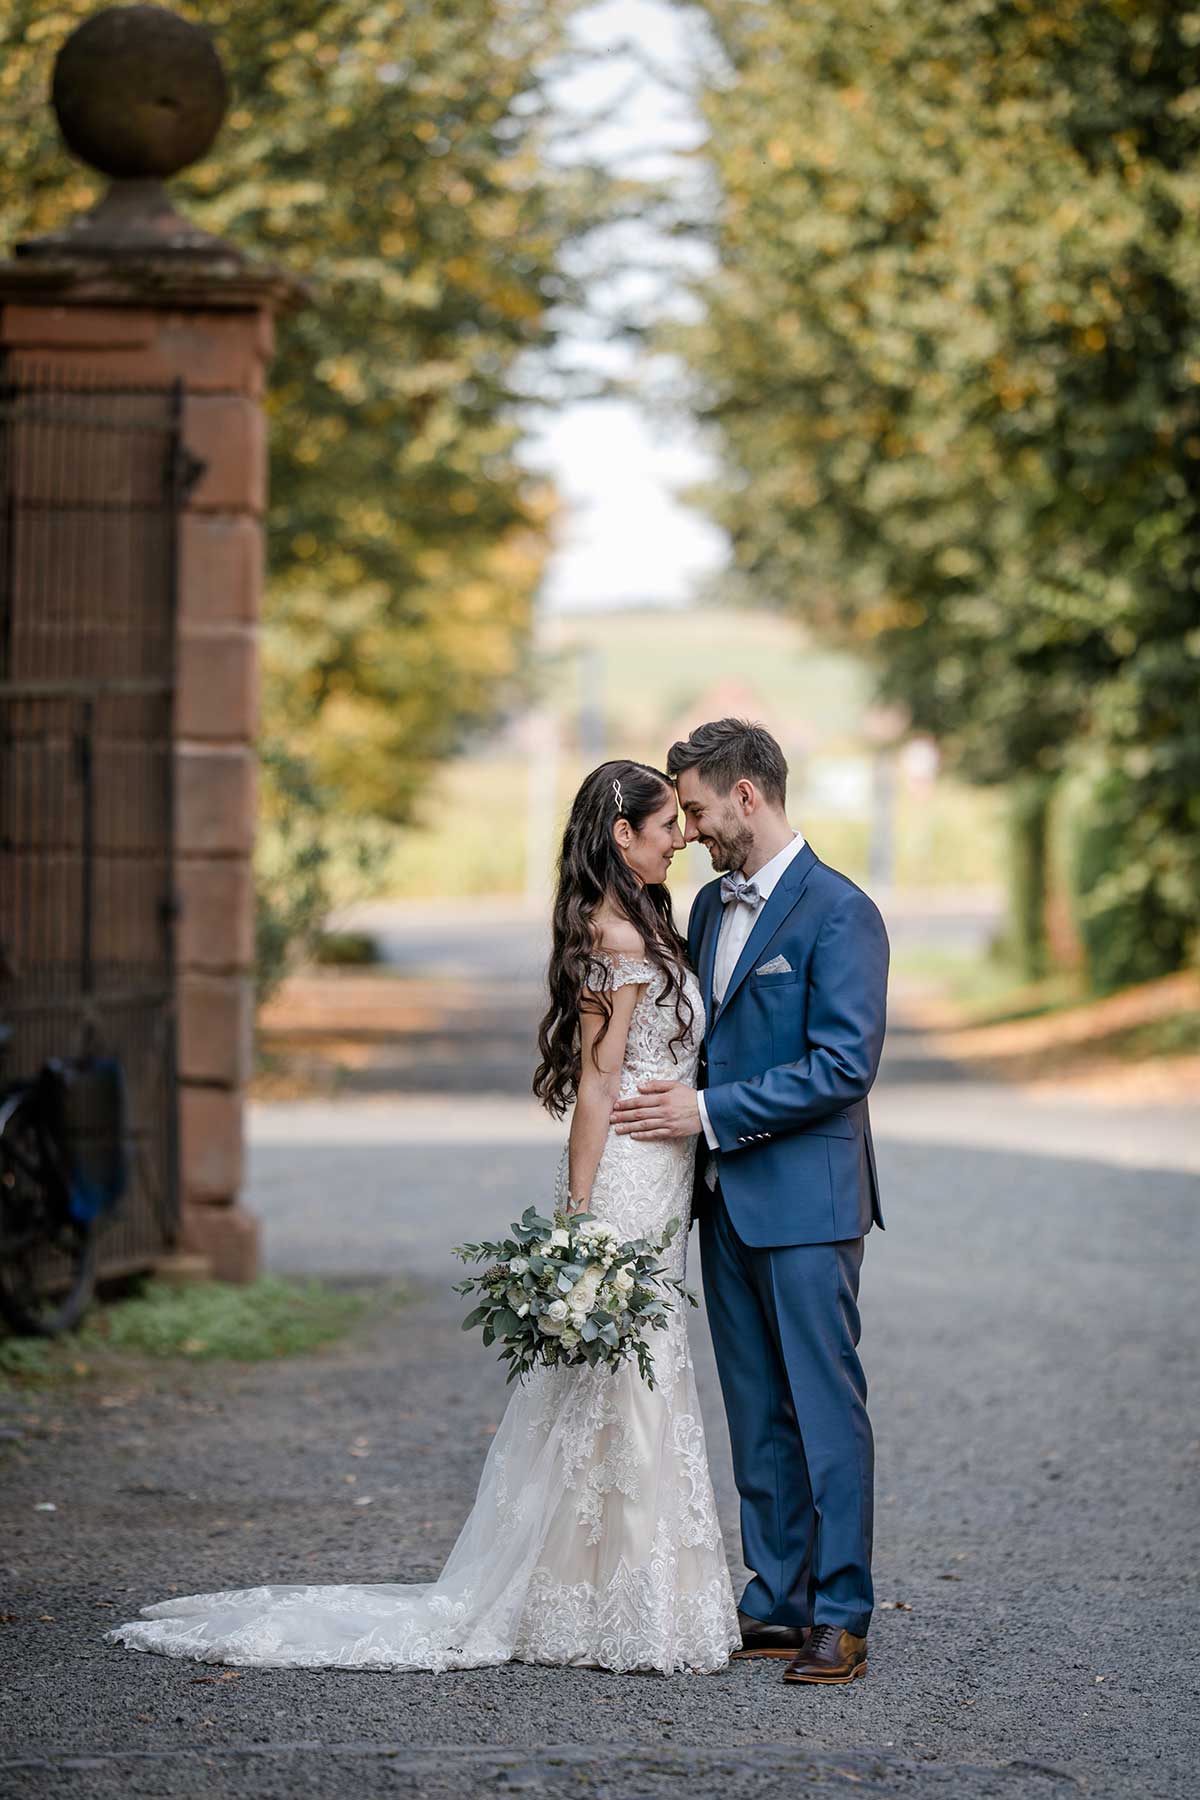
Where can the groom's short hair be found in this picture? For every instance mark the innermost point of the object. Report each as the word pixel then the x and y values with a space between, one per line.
pixel 729 750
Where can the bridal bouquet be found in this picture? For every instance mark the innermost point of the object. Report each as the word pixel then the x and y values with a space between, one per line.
pixel 568 1290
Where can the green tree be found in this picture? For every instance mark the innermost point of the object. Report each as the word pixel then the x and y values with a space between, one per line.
pixel 951 353
pixel 390 151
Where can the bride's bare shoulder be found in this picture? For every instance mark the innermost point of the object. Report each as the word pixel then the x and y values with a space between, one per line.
pixel 614 934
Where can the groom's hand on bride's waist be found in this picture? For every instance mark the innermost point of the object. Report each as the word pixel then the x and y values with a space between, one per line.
pixel 659 1109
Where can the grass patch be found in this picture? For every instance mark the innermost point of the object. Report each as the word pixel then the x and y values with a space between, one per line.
pixel 273 1316
pixel 249 1322
pixel 346 949
pixel 987 989
pixel 30 1359
pixel 1176 1035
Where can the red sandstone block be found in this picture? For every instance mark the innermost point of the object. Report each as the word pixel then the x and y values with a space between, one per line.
pixel 216 1025
pixel 88 328
pixel 229 434
pixel 210 1143
pixel 227 1235
pixel 216 796
pixel 220 567
pixel 217 693
pixel 213 352
pixel 215 929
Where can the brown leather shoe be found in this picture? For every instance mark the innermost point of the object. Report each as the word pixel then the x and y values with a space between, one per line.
pixel 769 1640
pixel 830 1655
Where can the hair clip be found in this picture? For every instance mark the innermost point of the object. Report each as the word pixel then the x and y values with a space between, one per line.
pixel 618 796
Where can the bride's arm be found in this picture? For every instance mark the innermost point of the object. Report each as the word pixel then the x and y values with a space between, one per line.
pixel 599 1085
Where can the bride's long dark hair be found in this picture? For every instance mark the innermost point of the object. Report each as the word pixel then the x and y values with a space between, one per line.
pixel 591 867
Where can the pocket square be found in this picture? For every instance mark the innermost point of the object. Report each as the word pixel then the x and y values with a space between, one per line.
pixel 778 965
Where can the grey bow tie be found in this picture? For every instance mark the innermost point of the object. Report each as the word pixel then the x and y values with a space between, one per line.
pixel 734 887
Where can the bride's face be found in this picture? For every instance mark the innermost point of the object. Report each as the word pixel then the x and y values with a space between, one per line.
pixel 648 852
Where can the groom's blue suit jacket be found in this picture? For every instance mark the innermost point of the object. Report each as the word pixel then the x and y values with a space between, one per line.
pixel 789 1057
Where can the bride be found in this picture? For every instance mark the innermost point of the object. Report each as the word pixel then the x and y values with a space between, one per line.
pixel 593 1539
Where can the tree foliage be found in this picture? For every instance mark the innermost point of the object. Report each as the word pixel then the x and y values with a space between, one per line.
pixel 951 353
pixel 390 152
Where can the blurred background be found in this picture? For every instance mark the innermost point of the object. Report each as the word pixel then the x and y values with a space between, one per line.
pixel 838 367
pixel 832 366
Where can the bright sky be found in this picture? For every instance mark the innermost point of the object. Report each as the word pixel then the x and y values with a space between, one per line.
pixel 625 537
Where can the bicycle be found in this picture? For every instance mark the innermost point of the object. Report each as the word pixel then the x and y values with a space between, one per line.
pixel 62 1169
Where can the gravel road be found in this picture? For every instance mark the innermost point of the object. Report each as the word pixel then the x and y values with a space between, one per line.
pixel 1030 1337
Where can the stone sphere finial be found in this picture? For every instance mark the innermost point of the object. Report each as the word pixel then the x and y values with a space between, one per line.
pixel 138 92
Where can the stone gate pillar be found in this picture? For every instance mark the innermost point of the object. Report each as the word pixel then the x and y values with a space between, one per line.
pixel 134 294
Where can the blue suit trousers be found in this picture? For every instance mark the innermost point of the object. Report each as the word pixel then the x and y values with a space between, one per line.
pixel 785 1328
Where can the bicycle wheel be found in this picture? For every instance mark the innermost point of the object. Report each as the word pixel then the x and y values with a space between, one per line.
pixel 47 1259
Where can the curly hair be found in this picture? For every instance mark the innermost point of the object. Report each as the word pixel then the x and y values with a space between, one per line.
pixel 590 870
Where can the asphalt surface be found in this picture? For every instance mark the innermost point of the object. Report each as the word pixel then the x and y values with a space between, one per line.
pixel 1030 1339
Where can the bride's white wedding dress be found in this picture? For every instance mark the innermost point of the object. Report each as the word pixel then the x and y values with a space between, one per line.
pixel 594 1537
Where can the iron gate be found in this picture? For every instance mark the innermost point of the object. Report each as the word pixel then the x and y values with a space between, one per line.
pixel 92 478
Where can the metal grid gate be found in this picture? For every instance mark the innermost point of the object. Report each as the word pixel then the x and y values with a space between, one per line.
pixel 91 482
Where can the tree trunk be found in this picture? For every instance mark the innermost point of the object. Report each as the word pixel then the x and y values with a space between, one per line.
pixel 1030 801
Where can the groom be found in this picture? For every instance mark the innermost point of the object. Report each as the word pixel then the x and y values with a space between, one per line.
pixel 793 962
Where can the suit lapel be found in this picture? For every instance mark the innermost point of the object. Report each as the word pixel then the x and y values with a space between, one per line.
pixel 771 915
pixel 708 953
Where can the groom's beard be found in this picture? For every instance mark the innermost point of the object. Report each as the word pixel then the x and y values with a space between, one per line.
pixel 730 848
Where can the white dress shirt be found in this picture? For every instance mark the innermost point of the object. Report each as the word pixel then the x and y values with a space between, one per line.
pixel 737 922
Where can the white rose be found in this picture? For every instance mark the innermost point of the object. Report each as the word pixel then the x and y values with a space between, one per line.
pixel 570 1339
pixel 560 1238
pixel 623 1281
pixel 578 1320
pixel 517 1266
pixel 582 1296
pixel 590 1228
pixel 557 1310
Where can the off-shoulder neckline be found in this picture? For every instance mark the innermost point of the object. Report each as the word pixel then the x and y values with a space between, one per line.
pixel 624 959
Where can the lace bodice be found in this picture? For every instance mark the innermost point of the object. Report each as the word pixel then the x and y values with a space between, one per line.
pixel 650 1052
pixel 641 1183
